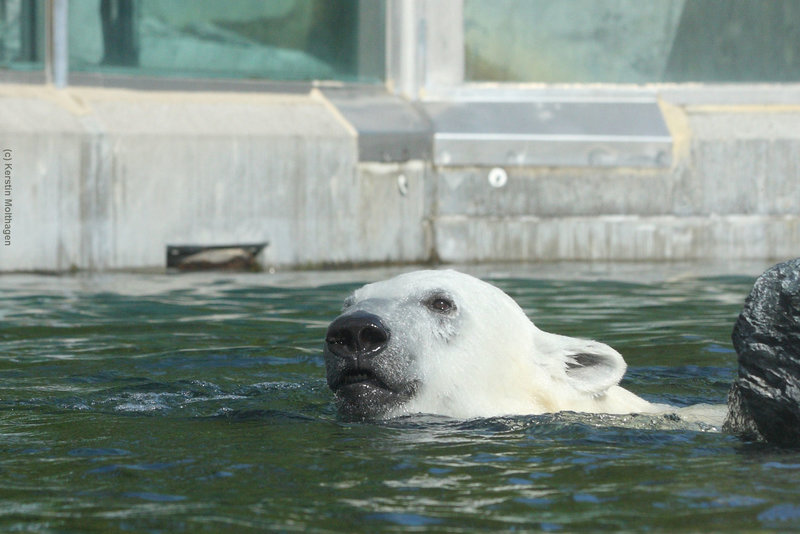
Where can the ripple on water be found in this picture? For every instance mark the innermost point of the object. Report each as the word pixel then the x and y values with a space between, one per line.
pixel 173 404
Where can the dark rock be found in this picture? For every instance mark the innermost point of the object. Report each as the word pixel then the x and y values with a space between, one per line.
pixel 764 401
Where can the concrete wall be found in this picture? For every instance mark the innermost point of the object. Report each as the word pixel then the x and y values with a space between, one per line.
pixel 105 179
pixel 732 191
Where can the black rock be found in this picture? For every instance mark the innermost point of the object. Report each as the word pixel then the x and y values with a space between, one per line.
pixel 764 401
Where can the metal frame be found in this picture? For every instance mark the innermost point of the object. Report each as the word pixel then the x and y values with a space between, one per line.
pixel 430 112
pixel 424 46
pixel 489 124
pixel 575 133
pixel 56 63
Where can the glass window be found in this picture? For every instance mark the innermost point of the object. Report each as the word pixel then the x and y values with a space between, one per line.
pixel 632 41
pixel 276 39
pixel 22 34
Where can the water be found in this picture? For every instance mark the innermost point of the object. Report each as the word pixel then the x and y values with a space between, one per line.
pixel 155 403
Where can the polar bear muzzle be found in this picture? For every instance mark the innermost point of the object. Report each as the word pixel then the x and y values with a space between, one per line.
pixel 357 336
pixel 355 371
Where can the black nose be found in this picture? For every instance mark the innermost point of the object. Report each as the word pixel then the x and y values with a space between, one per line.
pixel 357 334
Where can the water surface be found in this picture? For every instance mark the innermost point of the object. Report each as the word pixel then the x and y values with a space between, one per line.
pixel 164 403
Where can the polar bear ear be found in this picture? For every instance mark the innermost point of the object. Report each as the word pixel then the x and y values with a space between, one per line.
pixel 589 366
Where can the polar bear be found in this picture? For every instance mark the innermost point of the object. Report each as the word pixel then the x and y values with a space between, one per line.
pixel 443 342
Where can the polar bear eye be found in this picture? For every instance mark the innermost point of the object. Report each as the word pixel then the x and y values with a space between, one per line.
pixel 440 303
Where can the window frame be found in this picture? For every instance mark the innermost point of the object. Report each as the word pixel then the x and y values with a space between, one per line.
pixel 424 71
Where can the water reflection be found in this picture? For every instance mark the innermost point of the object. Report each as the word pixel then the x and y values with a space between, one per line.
pixel 199 404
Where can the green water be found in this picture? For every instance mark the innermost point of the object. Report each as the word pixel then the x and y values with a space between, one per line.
pixel 156 403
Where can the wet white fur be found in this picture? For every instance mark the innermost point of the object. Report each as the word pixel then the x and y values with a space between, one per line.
pixel 488 359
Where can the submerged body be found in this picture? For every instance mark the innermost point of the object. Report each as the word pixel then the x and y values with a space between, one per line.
pixel 446 343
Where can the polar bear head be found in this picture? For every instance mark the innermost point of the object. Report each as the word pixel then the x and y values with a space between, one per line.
pixel 443 342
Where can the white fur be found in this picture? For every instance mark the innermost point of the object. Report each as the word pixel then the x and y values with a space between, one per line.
pixel 487 358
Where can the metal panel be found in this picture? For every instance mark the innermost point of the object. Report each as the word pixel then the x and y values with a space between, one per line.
pixel 562 133
pixel 389 128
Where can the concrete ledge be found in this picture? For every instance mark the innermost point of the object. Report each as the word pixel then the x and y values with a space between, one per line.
pixel 666 238
pixel 555 192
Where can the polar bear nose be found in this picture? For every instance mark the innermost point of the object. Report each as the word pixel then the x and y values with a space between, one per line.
pixel 357 334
